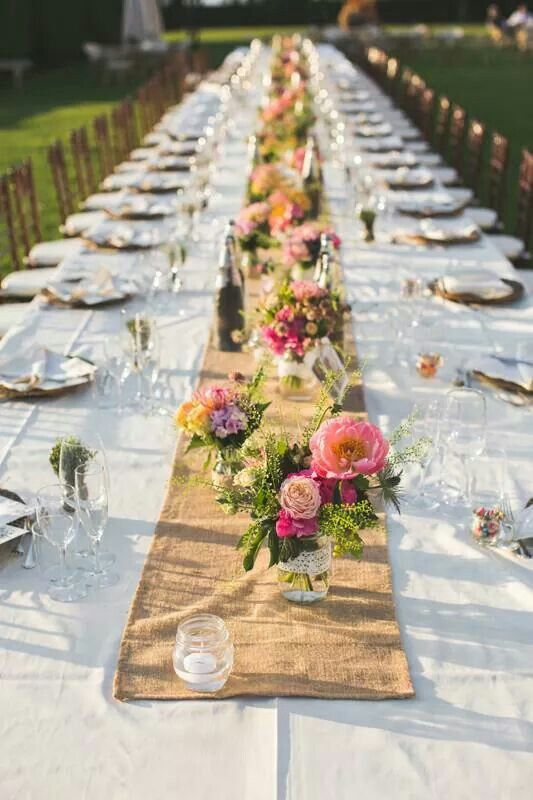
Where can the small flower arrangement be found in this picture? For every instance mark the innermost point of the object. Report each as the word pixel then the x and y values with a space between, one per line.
pixel 302 245
pixel 299 492
pixel 266 178
pixel 487 523
pixel 297 315
pixel 252 227
pixel 221 418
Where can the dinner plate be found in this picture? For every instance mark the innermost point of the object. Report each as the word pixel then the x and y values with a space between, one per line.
pixel 405 178
pixel 515 292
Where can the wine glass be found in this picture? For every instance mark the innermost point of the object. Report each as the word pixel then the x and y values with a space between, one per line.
pixel 57 521
pixel 118 367
pixel 92 503
pixel 466 415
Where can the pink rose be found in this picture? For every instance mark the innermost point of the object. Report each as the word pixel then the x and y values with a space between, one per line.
pixel 287 526
pixel 299 496
pixel 343 448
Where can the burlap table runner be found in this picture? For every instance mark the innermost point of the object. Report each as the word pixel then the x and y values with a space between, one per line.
pixel 347 646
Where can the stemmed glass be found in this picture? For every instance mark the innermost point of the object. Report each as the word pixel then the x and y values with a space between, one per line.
pixel 118 367
pixel 57 521
pixel 466 416
pixel 92 503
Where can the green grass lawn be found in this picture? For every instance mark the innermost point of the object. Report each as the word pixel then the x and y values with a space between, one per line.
pixel 491 83
pixel 48 107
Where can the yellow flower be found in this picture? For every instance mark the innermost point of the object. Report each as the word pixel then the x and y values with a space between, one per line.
pixel 182 414
pixel 198 420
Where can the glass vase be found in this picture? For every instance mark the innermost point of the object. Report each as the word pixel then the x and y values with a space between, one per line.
pixel 295 379
pixel 306 578
pixel 251 265
pixel 224 470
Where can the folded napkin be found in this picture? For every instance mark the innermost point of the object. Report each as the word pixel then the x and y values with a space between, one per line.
pixel 382 145
pixel 396 158
pixel 383 129
pixel 43 369
pixel 98 288
pixel 481 282
pixel 509 369
pixel 437 203
pixel 11 510
pixel 404 176
pixel 454 231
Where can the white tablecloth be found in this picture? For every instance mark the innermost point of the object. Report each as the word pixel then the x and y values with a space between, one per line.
pixel 466 615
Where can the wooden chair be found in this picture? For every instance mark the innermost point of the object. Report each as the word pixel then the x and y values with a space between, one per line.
pixel 473 161
pixel 20 208
pixel 104 146
pixel 519 248
pixel 393 71
pixel 405 81
pixel 442 124
pixel 426 113
pixel 524 212
pixel 498 173
pixel 65 195
pixel 83 166
pixel 457 137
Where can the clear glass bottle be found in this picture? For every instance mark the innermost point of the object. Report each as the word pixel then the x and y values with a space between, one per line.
pixel 203 653
pixel 306 578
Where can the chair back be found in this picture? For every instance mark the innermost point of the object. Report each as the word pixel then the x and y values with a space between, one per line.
pixel 19 207
pixel 475 141
pixel 442 124
pixel 524 214
pixel 66 201
pixel 498 172
pixel 83 166
pixel 104 146
pixel 426 113
pixel 457 137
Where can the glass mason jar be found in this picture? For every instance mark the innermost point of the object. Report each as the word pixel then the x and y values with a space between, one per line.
pixel 203 653
pixel 306 578
pixel 224 470
pixel 296 380
pixel 251 265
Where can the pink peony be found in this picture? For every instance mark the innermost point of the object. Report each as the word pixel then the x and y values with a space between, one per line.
pixel 287 526
pixel 343 448
pixel 214 397
pixel 299 496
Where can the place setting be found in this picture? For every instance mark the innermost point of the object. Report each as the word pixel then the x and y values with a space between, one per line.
pixel 42 372
pixel 100 288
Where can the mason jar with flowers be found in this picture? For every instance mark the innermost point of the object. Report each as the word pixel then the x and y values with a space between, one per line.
pixel 294 320
pixel 252 228
pixel 220 419
pixel 309 499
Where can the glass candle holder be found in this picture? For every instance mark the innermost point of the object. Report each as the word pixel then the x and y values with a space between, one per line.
pixel 203 653
pixel 428 364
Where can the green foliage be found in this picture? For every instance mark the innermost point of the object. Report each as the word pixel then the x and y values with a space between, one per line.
pixel 343 524
pixel 77 455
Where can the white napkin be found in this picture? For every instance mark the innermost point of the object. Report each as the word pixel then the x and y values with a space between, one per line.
pixel 446 230
pixel 42 368
pixel 438 201
pixel 11 510
pixel 410 177
pixel 483 283
pixel 519 373
pixel 100 287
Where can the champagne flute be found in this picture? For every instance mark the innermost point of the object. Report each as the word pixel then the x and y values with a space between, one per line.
pixel 92 503
pixel 466 414
pixel 57 521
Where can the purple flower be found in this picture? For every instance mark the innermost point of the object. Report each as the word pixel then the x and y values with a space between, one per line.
pixel 228 421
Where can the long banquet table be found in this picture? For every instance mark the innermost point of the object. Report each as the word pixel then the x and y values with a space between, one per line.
pixel 466 614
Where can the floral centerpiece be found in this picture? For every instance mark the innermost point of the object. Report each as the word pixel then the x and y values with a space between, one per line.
pixel 221 418
pixel 302 245
pixel 252 227
pixel 311 496
pixel 293 320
